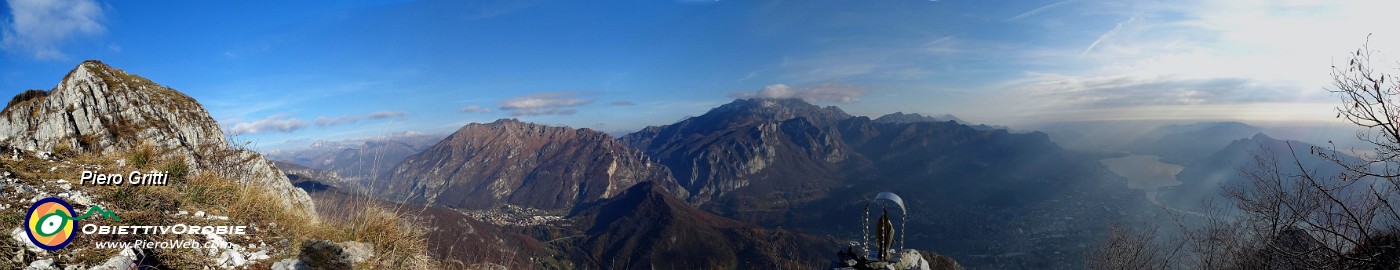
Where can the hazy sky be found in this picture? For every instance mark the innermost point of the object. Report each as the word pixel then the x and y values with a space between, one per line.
pixel 288 72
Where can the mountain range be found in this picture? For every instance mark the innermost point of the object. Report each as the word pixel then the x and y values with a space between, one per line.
pixel 787 163
pixel 359 163
pixel 781 163
pixel 1184 144
pixel 755 183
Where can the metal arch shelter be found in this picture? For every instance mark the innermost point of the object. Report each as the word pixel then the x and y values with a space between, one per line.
pixel 904 216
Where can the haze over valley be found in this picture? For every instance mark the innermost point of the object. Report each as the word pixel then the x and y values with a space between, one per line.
pixel 846 135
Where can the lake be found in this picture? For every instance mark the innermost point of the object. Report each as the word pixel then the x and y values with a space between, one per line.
pixel 1144 171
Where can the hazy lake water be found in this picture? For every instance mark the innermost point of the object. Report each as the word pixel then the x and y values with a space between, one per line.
pixel 1144 171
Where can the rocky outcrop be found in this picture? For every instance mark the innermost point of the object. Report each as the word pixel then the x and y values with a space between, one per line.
pixel 784 142
pixel 523 164
pixel 102 109
pixel 322 254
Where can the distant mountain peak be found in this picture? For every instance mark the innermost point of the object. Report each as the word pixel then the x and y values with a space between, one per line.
pixel 1262 137
pixel 524 164
pixel 903 118
pixel 509 121
pixel 793 104
pixel 756 110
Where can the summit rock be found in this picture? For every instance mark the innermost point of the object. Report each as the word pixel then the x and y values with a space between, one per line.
pixel 101 109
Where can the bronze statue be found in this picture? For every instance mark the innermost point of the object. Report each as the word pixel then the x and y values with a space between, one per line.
pixel 884 235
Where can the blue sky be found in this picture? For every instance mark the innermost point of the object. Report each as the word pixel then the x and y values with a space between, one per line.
pixel 285 73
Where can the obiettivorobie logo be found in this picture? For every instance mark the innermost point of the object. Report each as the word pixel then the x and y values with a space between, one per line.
pixel 51 225
pixel 50 222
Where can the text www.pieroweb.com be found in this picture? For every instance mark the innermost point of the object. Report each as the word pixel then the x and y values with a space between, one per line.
pixel 165 244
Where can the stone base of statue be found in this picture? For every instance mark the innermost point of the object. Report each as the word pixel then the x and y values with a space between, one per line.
pixel 856 257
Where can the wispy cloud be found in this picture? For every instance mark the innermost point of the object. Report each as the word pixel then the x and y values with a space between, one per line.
pixel 943 45
pixel 1107 36
pixel 621 103
pixel 38 27
pixel 347 119
pixel 827 92
pixel 285 123
pixel 1051 97
pixel 543 104
pixel 274 123
pixel 323 121
pixel 1149 60
pixel 493 8
pixel 475 109
pixel 386 114
pixel 1127 91
pixel 1038 10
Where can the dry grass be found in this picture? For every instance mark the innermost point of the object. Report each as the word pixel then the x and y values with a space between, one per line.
pixel 397 245
pixel 64 150
pixel 13 255
pixel 25 97
pixel 397 239
pixel 142 155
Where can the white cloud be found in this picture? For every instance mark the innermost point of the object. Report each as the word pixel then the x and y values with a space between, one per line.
pixel 475 109
pixel 622 103
pixel 828 92
pixel 38 27
pixel 386 114
pixel 1053 98
pixel 278 123
pixel 284 123
pixel 1127 91
pixel 1294 41
pixel 346 119
pixel 323 121
pixel 1192 58
pixel 541 104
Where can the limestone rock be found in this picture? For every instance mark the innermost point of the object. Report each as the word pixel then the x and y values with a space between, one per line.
pixel 19 236
pixel 126 259
pixel 102 109
pixel 44 264
pixel 288 264
pixel 322 254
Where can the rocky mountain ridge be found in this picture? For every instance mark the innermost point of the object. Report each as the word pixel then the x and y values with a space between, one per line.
pixel 523 164
pixel 727 148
